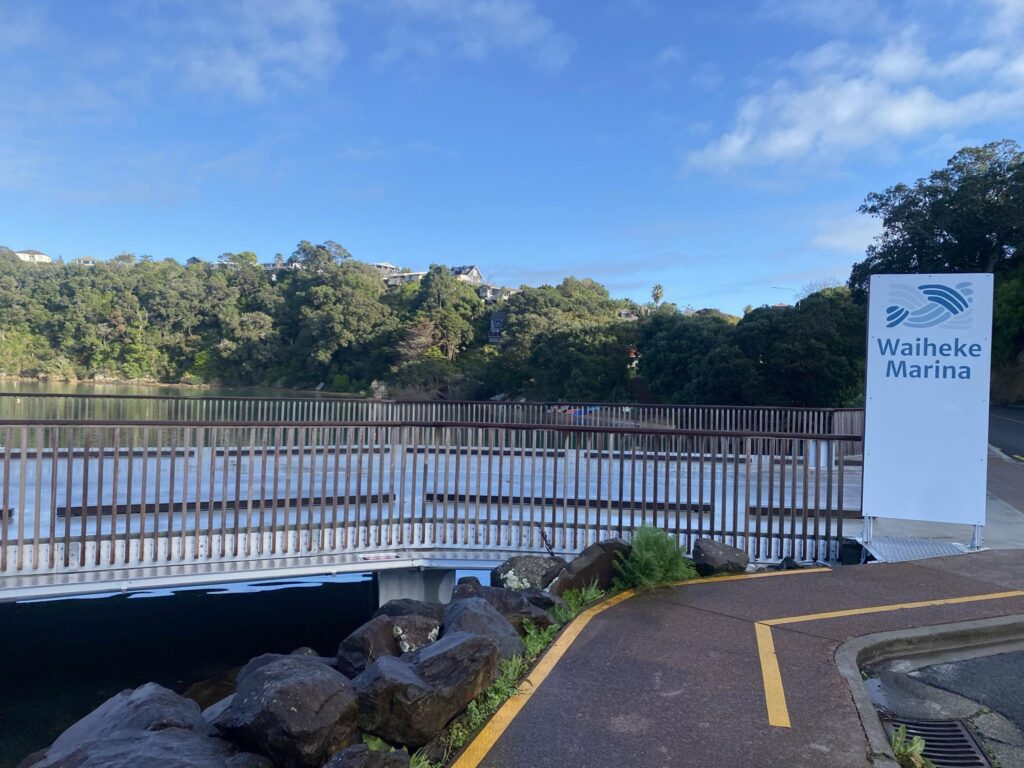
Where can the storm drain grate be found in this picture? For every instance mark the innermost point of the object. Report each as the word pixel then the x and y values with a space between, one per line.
pixel 948 743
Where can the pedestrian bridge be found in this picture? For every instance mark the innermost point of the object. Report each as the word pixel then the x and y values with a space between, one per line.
pixel 100 493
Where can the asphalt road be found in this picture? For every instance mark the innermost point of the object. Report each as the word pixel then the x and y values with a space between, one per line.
pixel 677 677
pixel 1006 429
pixel 994 681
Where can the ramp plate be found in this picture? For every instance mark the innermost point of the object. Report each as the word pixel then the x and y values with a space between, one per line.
pixel 899 549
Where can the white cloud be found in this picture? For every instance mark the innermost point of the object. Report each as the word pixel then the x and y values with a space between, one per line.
pixel 475 29
pixel 847 234
pixel 669 55
pixel 833 15
pixel 838 98
pixel 1007 17
pixel 901 60
pixel 21 25
pixel 247 47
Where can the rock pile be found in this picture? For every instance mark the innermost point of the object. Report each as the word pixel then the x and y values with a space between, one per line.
pixel 402 677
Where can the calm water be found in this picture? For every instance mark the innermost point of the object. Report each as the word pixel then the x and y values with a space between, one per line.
pixel 60 659
pixel 92 388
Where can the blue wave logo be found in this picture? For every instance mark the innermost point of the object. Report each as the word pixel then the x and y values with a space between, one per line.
pixel 930 305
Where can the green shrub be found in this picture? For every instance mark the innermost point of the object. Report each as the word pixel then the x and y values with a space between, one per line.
pixel 909 752
pixel 575 601
pixel 536 640
pixel 512 671
pixel 480 709
pixel 654 559
pixel 376 743
pixel 420 760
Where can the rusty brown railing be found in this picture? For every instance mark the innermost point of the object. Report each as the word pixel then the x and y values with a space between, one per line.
pixel 81 496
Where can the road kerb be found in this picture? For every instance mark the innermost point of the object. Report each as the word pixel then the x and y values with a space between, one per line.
pixel 852 655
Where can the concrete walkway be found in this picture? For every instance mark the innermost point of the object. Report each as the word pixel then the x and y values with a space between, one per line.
pixel 1004 512
pixel 680 676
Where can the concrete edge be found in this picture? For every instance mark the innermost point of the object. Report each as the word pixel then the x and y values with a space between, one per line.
pixel 854 654
pixel 1000 453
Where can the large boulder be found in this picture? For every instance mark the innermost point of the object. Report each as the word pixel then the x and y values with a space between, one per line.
pixel 384 636
pixel 476 615
pixel 258 662
pixel 150 707
pixel 712 557
pixel 167 748
pixel 149 726
pixel 405 606
pixel 216 712
pixel 527 572
pixel 296 710
pixel 544 600
pixel 409 700
pixel 514 606
pixel 361 756
pixel 594 565
pixel 413 632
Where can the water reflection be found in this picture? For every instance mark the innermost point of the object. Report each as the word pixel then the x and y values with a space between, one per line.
pixel 62 658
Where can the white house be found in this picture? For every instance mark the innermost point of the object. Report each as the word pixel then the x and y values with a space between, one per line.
pixel 33 257
pixel 491 294
pixel 400 278
pixel 468 274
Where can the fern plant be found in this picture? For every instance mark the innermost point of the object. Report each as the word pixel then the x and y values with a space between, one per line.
pixel 654 559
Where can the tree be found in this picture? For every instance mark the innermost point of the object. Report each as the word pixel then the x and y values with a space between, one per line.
pixel 657 294
pixel 966 217
pixel 451 306
pixel 319 258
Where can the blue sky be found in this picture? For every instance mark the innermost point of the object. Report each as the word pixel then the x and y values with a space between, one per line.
pixel 720 149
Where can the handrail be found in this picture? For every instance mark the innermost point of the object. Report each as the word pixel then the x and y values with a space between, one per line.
pixel 337 398
pixel 571 428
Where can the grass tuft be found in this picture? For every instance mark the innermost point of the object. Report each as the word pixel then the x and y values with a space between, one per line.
pixel 536 640
pixel 512 671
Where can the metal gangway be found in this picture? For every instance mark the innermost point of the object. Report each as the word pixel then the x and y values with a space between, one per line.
pixel 95 505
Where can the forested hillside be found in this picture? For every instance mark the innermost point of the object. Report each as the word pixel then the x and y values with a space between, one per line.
pixel 329 318
pixel 325 317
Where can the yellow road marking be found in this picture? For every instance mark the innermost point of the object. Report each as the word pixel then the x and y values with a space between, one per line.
pixel 481 745
pixel 1018 457
pixel 774 692
pixel 891 607
pixel 477 749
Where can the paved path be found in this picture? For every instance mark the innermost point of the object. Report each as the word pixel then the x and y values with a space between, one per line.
pixel 674 677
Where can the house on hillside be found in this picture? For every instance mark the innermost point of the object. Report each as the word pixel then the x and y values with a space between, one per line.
pixel 85 261
pixel 628 315
pixel 386 270
pixel 401 278
pixel 30 256
pixel 191 261
pixel 468 274
pixel 492 294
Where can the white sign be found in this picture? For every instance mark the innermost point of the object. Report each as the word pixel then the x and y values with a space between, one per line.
pixel 926 429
